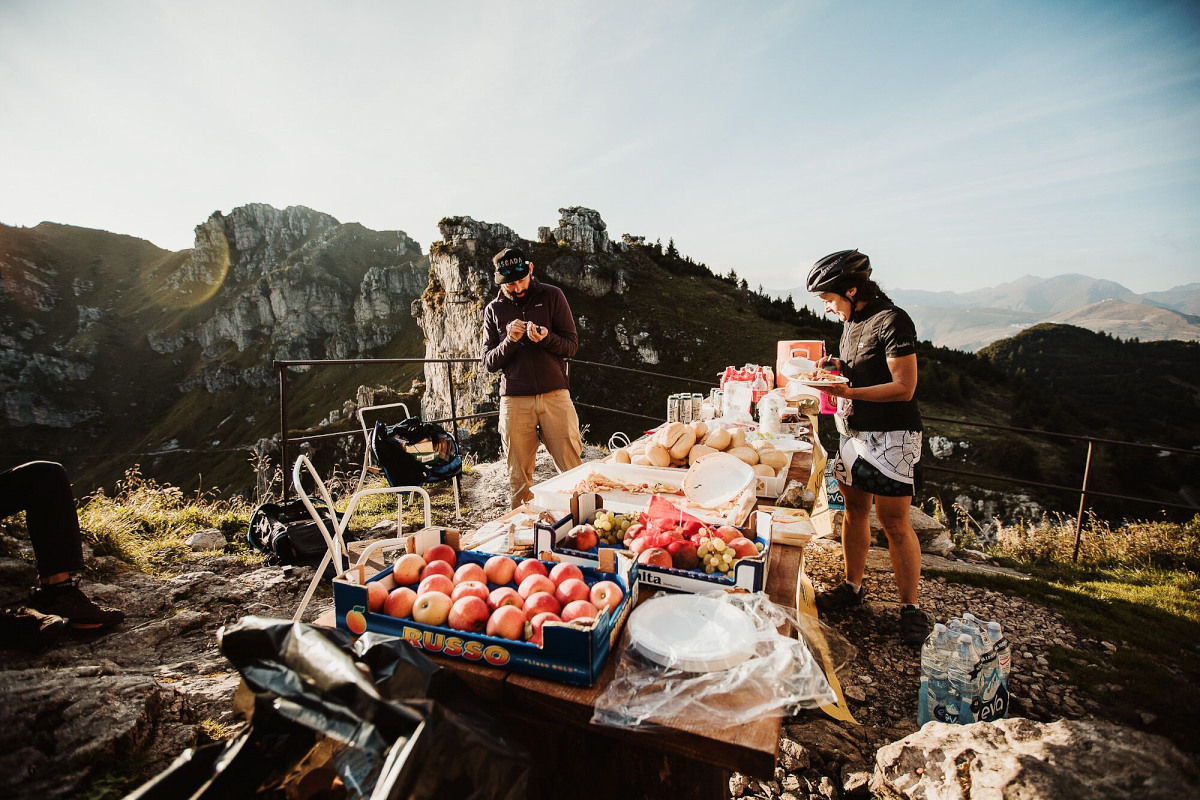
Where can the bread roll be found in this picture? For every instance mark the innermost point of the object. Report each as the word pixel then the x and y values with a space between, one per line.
pixel 659 456
pixel 668 434
pixel 737 438
pixel 699 450
pixel 621 456
pixel 641 461
pixel 638 448
pixel 774 458
pixel 683 444
pixel 717 439
pixel 746 454
pixel 763 471
pixel 700 428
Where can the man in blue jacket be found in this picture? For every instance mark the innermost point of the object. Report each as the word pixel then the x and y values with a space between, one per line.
pixel 529 333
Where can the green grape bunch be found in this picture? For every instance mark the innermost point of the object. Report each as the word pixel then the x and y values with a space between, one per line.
pixel 611 526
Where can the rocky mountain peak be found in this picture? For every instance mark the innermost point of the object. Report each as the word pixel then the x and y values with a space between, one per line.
pixel 580 229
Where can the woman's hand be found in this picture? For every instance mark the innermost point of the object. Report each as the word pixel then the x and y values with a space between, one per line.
pixel 830 364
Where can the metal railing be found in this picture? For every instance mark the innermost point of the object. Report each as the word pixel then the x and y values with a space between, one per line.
pixel 1084 491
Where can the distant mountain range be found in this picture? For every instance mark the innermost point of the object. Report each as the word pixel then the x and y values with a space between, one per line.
pixel 972 320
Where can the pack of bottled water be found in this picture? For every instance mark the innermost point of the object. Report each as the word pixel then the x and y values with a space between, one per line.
pixel 964 672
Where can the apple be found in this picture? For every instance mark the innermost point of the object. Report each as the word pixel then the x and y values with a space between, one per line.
pixel 469 614
pixel 477 588
pixel 505 596
pixel 533 628
pixel 470 572
pixel 438 568
pixel 536 583
pixel 634 531
pixel 407 569
pixel 500 570
pixel 507 622
pixel 606 594
pixel 442 552
pixel 436 583
pixel 563 571
pixel 539 602
pixel 400 602
pixel 655 557
pixel 683 555
pixel 580 610
pixel 585 537
pixel 743 547
pixel 639 544
pixel 728 533
pixel 376 596
pixel 527 567
pixel 432 608
pixel 570 590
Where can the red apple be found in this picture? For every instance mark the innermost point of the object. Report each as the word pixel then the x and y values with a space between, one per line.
pixel 407 569
pixel 527 567
pixel 470 572
pixel 655 557
pixel 400 602
pixel 639 544
pixel 468 614
pixel 633 531
pixel 505 596
pixel 507 622
pixel 683 555
pixel 436 583
pixel 536 583
pixel 442 552
pixel 500 570
pixel 539 602
pixel 728 533
pixel 580 610
pixel 563 571
pixel 533 628
pixel 438 568
pixel 376 596
pixel 743 547
pixel 585 537
pixel 476 588
pixel 570 590
pixel 606 594
pixel 432 608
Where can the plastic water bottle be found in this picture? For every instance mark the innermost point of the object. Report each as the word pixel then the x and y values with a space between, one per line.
pixel 962 670
pixel 935 682
pixel 1003 650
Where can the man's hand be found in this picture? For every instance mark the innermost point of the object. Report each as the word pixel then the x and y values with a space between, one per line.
pixel 536 333
pixel 516 329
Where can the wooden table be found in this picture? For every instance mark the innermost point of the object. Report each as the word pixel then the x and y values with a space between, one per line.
pixel 574 758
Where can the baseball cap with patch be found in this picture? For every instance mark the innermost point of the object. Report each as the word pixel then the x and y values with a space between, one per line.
pixel 510 265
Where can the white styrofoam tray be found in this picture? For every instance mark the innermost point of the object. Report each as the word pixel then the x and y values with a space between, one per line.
pixel 555 494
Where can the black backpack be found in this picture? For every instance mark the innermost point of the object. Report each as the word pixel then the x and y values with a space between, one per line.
pixel 287 534
pixel 415 452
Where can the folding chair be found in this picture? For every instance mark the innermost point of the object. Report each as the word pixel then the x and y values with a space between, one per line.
pixel 367 466
pixel 335 540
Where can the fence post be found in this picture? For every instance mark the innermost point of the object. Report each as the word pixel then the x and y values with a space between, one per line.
pixel 283 415
pixel 1087 468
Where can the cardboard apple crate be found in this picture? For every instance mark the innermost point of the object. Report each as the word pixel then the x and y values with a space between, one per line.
pixel 570 653
pixel 556 493
pixel 749 574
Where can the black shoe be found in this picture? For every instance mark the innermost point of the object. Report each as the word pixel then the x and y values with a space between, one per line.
pixel 841 597
pixel 66 600
pixel 25 628
pixel 914 626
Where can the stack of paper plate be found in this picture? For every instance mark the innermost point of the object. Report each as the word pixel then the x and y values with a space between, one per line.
pixel 692 633
pixel 716 479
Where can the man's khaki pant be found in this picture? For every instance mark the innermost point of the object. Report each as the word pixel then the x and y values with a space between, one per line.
pixel 520 418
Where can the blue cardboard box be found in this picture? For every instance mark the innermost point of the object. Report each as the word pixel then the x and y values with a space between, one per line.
pixel 571 652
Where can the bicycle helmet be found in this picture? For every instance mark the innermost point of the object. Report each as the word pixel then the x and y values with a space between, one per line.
pixel 838 271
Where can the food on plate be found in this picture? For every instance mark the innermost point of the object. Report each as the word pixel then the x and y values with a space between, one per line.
pixel 819 375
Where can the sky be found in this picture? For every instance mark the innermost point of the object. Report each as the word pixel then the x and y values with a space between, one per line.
pixel 959 144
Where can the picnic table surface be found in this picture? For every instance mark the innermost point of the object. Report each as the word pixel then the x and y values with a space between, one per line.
pixel 689 759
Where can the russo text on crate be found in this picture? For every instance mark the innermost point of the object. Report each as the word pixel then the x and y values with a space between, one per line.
pixel 749 574
pixel 570 652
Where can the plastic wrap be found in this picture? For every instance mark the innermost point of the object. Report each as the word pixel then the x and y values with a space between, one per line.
pixel 727 659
